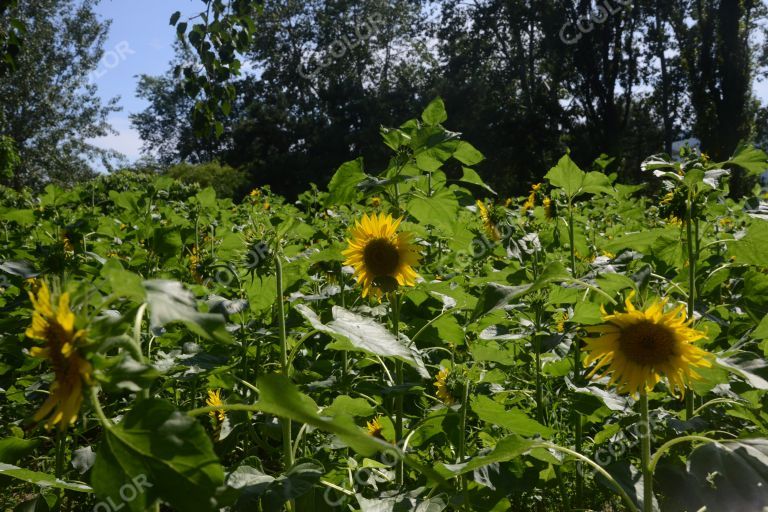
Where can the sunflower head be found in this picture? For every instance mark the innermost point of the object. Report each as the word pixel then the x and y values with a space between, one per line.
pixel 375 202
pixel 255 193
pixel 374 427
pixel 54 325
pixel 550 208
pixel 444 386
pixel 489 219
pixel 383 259
pixel 214 400
pixel 637 347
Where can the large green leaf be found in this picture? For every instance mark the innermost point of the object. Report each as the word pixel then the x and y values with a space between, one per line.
pixel 41 479
pixel 356 332
pixel 170 302
pixel 730 475
pixel 751 159
pixel 752 249
pixel 514 420
pixel 163 454
pixel 14 448
pixel 506 449
pixel 439 210
pixel 567 176
pixel 343 186
pixel 435 113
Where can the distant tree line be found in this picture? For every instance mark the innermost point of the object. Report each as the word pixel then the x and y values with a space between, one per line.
pixel 285 91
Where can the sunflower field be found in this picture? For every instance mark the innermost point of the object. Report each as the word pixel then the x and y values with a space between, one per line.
pixel 402 340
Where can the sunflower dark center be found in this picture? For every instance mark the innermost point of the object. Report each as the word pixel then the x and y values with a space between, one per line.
pixel 648 343
pixel 381 257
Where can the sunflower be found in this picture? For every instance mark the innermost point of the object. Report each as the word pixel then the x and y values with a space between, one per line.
pixel 639 346
pixel 374 427
pixel 383 259
pixel 443 391
pixel 375 202
pixel 195 264
pixel 72 372
pixel 488 223
pixel 255 193
pixel 560 321
pixel 214 400
pixel 550 211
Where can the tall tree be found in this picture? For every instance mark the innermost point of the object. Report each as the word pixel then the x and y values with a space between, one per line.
pixel 714 39
pixel 47 104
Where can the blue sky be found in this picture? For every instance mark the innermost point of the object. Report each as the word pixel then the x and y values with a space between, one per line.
pixel 141 42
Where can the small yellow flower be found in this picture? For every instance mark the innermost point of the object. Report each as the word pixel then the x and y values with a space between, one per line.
pixel 560 321
pixel 508 202
pixel 68 247
pixel 488 224
pixel 443 392
pixel 214 400
pixel 536 187
pixel 266 206
pixel 375 202
pixel 383 259
pixel 374 427
pixel 639 346
pixel 194 265
pixel 549 208
pixel 255 193
pixel 72 372
pixel 674 221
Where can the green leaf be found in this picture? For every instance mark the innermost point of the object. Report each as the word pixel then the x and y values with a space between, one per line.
pixel 170 302
pixel 343 186
pixel 761 332
pixel 14 448
pixel 439 210
pixel 175 17
pixel 567 176
pixel 508 448
pixel 355 332
pixel 514 420
pixel 470 176
pixel 344 404
pixel 467 154
pixel 162 454
pixel 751 159
pixel 41 479
pixel 751 249
pixel 435 113
pixel 729 475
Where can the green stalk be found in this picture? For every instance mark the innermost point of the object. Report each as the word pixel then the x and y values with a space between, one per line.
pixel 462 444
pixel 645 447
pixel 285 423
pixel 578 428
pixel 691 286
pixel 399 397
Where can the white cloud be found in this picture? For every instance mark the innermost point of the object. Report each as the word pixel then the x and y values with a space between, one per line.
pixel 126 141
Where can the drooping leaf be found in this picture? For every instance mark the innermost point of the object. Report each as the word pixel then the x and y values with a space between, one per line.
pixel 163 454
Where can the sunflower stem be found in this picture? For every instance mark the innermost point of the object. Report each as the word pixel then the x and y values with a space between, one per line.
pixel 61 436
pixel 576 363
pixel 94 394
pixel 462 444
pixel 285 423
pixel 645 447
pixel 692 257
pixel 399 398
